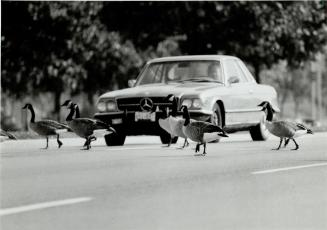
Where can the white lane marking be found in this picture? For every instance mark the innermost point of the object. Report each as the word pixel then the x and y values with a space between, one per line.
pixel 288 168
pixel 27 208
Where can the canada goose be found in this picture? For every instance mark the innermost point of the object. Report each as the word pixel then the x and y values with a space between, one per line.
pixel 69 102
pixel 176 124
pixel 5 135
pixel 46 127
pixel 285 130
pixel 85 127
pixel 200 131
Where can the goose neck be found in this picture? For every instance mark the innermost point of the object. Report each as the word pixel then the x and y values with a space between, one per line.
pixel 77 113
pixel 186 115
pixel 32 113
pixel 70 115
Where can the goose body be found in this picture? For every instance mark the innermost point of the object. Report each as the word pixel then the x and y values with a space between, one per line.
pixel 285 130
pixel 200 131
pixel 46 127
pixel 176 124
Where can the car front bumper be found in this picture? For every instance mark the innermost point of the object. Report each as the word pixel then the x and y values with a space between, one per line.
pixel 126 123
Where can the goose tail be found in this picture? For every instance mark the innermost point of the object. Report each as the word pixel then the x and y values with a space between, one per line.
pixel 309 131
pixel 103 132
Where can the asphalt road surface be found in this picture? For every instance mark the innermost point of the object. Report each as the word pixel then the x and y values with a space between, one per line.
pixel 240 184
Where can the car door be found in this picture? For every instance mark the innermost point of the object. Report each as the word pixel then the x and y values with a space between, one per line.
pixel 239 98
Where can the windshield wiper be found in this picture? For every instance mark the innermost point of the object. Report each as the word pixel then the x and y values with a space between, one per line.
pixel 200 80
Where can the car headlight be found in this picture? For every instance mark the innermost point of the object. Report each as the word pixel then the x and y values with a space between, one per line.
pixel 101 106
pixel 197 103
pixel 111 106
pixel 187 103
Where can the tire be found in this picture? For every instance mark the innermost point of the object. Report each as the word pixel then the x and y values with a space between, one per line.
pixel 259 132
pixel 115 139
pixel 165 138
pixel 216 118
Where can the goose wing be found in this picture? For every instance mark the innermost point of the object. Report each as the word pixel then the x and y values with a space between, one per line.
pixel 53 124
pixel 91 123
pixel 206 127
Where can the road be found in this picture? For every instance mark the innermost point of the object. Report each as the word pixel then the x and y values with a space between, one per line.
pixel 240 184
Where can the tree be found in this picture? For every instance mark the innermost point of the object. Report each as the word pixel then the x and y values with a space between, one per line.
pixel 261 33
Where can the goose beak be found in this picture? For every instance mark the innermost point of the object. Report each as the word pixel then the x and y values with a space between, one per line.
pixel 25 107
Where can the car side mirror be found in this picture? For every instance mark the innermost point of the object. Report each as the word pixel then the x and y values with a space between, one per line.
pixel 233 80
pixel 131 83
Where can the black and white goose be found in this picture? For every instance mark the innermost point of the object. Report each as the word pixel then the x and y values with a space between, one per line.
pixel 200 131
pixel 176 124
pixel 85 127
pixel 285 130
pixel 46 127
pixel 5 136
pixel 164 123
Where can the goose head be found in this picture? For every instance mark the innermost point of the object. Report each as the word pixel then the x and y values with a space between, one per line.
pixel 268 109
pixel 266 106
pixel 170 97
pixel 67 103
pixel 28 106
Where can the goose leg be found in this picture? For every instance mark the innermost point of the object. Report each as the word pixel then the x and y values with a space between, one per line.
pixel 185 144
pixel 91 139
pixel 47 142
pixel 296 145
pixel 58 141
pixel 280 143
pixel 171 139
pixel 197 148
pixel 87 144
pixel 286 142
pixel 204 149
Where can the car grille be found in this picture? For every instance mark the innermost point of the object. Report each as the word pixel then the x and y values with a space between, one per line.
pixel 133 104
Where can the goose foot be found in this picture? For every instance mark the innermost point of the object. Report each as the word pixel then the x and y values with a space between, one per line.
pixel 59 144
pixel 199 154
pixel 197 148
pixel 296 145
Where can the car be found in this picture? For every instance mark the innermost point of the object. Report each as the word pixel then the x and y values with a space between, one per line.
pixel 215 88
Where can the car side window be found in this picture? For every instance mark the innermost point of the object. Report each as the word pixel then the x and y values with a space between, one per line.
pixel 234 73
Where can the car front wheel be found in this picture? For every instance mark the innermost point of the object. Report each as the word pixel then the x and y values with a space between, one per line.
pixel 216 118
pixel 259 132
pixel 115 139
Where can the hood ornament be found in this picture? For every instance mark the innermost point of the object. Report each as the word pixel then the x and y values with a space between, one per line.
pixel 146 104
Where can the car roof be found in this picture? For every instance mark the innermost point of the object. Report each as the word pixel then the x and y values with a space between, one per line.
pixel 192 58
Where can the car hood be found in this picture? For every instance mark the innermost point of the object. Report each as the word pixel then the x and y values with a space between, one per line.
pixel 162 90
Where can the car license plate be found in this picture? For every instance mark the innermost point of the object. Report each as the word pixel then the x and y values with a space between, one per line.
pixel 147 116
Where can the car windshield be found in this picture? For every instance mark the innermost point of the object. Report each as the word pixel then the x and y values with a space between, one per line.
pixel 181 71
